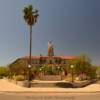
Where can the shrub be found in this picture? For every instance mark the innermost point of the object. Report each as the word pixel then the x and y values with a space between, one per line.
pixel 19 78
pixel 3 71
pixel 1 77
pixel 92 73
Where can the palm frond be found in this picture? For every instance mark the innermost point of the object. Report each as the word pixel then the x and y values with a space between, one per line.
pixel 35 11
pixel 25 10
pixel 36 15
pixel 30 7
pixel 30 15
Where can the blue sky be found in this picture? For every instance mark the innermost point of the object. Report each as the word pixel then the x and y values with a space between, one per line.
pixel 72 25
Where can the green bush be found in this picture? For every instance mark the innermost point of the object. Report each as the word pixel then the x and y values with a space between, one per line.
pixel 3 71
pixel 92 75
pixel 19 78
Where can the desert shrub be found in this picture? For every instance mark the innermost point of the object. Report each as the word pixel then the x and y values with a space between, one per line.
pixel 19 78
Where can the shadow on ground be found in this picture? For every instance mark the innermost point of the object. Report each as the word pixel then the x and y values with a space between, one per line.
pixel 75 84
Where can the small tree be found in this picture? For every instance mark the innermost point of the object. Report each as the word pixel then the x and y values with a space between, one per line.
pixel 98 71
pixel 19 67
pixel 92 72
pixel 83 67
pixel 3 71
pixel 82 64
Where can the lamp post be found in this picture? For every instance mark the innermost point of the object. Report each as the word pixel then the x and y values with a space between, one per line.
pixel 58 70
pixel 40 69
pixel 29 75
pixel 72 72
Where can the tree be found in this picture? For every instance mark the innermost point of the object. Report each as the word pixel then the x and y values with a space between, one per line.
pixel 98 71
pixel 18 67
pixel 83 66
pixel 3 71
pixel 30 17
pixel 92 72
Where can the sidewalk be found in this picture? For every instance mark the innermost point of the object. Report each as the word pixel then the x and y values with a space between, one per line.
pixel 6 86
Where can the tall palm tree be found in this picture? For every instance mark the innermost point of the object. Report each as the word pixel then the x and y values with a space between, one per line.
pixel 30 17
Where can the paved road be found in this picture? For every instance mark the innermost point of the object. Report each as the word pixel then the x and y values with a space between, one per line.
pixel 49 96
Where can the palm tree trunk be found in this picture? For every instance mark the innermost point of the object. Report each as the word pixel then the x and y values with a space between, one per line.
pixel 30 56
pixel 30 51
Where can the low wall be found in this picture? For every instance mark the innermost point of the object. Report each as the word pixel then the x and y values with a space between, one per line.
pixel 84 83
pixel 51 78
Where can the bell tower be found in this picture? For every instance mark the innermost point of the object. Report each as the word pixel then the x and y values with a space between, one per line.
pixel 50 49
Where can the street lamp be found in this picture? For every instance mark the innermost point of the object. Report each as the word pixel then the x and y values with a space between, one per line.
pixel 72 72
pixel 29 75
pixel 40 69
pixel 58 70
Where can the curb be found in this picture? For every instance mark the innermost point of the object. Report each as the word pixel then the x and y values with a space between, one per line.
pixel 49 91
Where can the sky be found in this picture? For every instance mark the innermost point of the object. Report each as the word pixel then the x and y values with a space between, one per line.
pixel 72 25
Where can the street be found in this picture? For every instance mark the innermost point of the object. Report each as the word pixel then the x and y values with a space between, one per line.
pixel 49 96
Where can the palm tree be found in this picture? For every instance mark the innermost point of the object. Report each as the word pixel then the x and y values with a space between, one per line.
pixel 30 17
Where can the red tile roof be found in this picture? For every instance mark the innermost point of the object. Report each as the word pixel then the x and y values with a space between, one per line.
pixel 69 57
pixel 55 57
